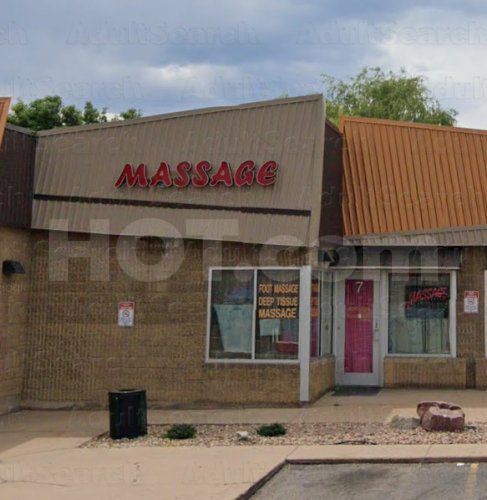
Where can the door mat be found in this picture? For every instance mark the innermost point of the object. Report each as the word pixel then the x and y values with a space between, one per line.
pixel 354 390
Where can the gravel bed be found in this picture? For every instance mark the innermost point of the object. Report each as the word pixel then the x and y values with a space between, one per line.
pixel 299 434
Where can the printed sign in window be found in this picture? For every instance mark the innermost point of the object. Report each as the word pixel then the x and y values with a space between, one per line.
pixel 277 321
pixel 277 299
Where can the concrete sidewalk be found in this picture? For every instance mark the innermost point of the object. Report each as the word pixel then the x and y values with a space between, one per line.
pixel 55 468
pixel 40 455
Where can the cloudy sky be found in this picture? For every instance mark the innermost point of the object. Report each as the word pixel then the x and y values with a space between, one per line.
pixel 161 55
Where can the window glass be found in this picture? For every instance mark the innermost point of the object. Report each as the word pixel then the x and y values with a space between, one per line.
pixel 232 294
pixel 277 314
pixel 419 313
pixel 326 314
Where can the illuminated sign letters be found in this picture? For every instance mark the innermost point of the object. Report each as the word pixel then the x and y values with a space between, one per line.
pixel 200 175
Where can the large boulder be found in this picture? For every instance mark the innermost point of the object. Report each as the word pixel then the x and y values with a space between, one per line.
pixel 443 419
pixel 424 406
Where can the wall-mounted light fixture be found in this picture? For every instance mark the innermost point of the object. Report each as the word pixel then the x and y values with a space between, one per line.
pixel 154 243
pixel 329 256
pixel 10 267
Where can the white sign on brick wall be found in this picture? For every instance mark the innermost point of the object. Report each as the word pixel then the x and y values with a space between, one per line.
pixel 126 314
pixel 471 302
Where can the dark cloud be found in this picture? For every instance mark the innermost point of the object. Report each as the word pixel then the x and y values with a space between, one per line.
pixel 165 55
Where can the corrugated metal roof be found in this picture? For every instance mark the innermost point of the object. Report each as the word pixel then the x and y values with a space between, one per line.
pixel 77 164
pixel 4 107
pixel 403 176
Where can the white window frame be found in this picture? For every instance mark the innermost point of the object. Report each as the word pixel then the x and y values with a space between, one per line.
pixel 452 325
pixel 322 354
pixel 253 359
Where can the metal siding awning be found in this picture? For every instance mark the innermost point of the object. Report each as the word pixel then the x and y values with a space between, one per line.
pixel 404 177
pixel 83 163
pixel 288 230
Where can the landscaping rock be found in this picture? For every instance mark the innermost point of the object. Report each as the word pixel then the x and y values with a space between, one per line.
pixel 331 433
pixel 443 419
pixel 424 406
pixel 243 435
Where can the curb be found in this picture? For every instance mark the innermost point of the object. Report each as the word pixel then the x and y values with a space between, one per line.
pixel 411 460
pixel 262 481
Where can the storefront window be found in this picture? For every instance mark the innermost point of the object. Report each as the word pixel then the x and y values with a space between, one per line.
pixel 232 298
pixel 326 301
pixel 254 314
pixel 419 313
pixel 277 314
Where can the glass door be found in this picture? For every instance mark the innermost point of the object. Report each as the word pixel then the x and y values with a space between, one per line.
pixel 357 334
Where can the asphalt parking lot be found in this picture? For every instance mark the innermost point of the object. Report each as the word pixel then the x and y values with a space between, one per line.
pixel 373 481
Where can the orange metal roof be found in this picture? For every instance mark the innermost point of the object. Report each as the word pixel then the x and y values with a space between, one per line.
pixel 403 176
pixel 4 106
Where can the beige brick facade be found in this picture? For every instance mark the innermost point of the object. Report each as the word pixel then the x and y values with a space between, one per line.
pixel 61 345
pixel 425 372
pixel 321 376
pixel 76 351
pixel 14 300
pixel 481 373
pixel 470 327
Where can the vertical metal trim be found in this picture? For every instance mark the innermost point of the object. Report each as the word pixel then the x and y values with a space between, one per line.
pixel 304 331
pixel 208 314
pixel 453 314
pixel 383 322
pixel 338 325
pixel 254 315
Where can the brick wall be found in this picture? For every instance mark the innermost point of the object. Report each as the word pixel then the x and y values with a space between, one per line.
pixel 481 373
pixel 321 376
pixel 76 352
pixel 14 293
pixel 470 327
pixel 425 372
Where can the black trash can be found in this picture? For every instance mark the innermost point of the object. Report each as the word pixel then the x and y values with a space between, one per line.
pixel 128 413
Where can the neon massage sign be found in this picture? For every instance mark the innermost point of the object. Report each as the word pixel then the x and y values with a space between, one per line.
pixel 200 175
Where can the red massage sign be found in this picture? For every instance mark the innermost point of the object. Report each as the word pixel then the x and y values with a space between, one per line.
pixel 200 175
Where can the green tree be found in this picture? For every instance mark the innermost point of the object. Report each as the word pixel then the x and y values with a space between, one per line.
pixel 71 116
pixel 40 114
pixel 50 112
pixel 130 114
pixel 375 93
pixel 93 115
